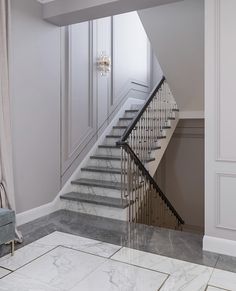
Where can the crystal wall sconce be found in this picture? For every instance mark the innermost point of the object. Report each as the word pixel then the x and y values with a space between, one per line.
pixel 104 64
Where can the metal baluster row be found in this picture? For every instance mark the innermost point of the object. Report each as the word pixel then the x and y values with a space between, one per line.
pixel 151 125
pixel 145 204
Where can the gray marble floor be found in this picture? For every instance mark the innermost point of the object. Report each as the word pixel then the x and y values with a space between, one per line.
pixel 173 244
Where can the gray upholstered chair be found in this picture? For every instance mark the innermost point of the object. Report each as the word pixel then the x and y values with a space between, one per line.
pixel 7 227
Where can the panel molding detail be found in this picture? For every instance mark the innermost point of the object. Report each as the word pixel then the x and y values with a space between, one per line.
pixel 219 155
pixel 72 148
pixel 219 198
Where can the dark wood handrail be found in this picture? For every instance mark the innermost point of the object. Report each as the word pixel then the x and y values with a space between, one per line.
pixel 140 113
pixel 145 172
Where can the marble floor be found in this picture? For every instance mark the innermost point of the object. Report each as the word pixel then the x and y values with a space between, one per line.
pixel 63 262
pixel 91 252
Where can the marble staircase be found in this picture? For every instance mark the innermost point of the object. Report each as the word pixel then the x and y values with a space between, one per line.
pixel 97 189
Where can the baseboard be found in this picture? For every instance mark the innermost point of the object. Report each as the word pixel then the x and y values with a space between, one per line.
pixel 35 213
pixel 219 245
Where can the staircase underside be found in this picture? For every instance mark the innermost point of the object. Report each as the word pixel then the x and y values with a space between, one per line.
pixel 61 13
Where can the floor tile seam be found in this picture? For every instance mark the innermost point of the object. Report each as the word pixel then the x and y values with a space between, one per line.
pixel 163 284
pixel 90 273
pixel 84 252
pixel 31 261
pixel 6 269
pixel 111 259
pixel 210 285
pixel 141 267
pixel 218 257
pixel 10 272
pixel 168 257
pixel 213 269
pixel 120 249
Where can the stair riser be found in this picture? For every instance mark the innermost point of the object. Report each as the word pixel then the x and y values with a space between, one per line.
pixel 92 209
pixel 117 131
pixel 104 163
pixel 101 176
pixel 130 114
pixel 120 132
pixel 96 191
pixel 124 122
pixel 110 141
pixel 109 151
pixel 136 106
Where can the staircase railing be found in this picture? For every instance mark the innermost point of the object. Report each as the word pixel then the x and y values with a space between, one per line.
pixel 147 203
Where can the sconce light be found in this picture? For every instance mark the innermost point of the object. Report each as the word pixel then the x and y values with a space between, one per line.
pixel 104 64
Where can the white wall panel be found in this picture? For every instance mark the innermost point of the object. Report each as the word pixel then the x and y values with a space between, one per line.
pixel 226 48
pixel 78 106
pixel 220 143
pixel 226 194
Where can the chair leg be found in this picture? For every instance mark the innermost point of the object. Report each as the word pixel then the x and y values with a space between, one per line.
pixel 12 247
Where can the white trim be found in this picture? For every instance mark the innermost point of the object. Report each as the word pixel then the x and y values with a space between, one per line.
pixel 32 214
pixel 191 115
pixel 219 245
pixel 55 205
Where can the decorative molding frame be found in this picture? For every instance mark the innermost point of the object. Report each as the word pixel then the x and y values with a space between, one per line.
pixel 219 157
pixel 218 224
pixel 70 152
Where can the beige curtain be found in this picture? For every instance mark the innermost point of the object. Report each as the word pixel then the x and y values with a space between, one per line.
pixel 7 196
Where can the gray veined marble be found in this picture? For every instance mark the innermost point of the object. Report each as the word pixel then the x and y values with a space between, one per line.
pixel 173 244
pixel 112 276
pixel 66 262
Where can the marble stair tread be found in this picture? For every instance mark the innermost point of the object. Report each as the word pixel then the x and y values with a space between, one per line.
pixel 132 110
pixel 126 118
pixel 117 158
pixel 150 127
pixel 108 146
pixel 119 136
pixel 97 183
pixel 101 170
pixel 95 199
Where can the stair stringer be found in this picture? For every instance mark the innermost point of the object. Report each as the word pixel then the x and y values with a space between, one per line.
pixel 158 154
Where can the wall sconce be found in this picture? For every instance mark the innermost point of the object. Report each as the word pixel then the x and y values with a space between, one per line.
pixel 104 64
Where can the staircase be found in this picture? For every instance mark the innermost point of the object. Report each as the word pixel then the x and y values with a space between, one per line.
pixel 116 181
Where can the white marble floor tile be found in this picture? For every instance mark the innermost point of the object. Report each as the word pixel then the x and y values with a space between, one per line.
pixel 116 276
pixel 16 282
pixel 24 256
pixel 79 243
pixel 62 268
pixel 223 279
pixel 211 288
pixel 183 275
pixel 3 272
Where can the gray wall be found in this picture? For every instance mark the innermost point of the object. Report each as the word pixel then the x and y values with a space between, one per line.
pixel 181 172
pixel 42 56
pixel 35 85
pixel 176 32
